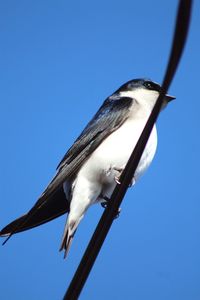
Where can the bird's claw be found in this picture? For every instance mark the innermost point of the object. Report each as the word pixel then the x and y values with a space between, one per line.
pixel 117 180
pixel 105 204
pixel 117 177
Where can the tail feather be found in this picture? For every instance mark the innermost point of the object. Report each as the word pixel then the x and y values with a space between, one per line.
pixel 69 232
pixel 66 243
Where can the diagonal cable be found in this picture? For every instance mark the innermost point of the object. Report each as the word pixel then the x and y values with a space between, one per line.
pixel 101 231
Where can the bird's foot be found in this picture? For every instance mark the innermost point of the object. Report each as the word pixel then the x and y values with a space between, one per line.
pixel 104 204
pixel 117 177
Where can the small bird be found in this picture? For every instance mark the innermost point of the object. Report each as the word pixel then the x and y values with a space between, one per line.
pixel 91 168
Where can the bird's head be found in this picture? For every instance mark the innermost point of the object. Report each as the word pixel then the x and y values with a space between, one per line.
pixel 144 91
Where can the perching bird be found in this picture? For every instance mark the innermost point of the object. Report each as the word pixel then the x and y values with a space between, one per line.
pixel 90 170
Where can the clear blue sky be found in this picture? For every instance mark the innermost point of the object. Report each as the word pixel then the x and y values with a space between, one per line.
pixel 59 61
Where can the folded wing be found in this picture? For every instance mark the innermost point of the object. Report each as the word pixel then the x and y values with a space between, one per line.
pixel 52 203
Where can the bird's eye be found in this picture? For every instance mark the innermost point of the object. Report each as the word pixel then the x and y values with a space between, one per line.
pixel 148 85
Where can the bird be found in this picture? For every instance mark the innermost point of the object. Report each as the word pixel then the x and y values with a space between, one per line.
pixel 91 168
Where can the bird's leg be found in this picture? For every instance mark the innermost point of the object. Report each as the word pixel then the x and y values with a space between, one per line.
pixel 104 204
pixel 117 177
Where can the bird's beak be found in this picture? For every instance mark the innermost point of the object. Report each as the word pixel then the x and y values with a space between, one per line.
pixel 169 98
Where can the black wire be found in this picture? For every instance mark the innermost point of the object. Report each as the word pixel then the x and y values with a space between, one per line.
pixel 101 231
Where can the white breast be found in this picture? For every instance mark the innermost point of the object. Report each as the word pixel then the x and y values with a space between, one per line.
pixel 116 149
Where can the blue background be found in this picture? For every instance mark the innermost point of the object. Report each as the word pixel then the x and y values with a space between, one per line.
pixel 59 61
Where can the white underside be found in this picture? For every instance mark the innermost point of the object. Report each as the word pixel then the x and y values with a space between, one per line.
pixel 97 175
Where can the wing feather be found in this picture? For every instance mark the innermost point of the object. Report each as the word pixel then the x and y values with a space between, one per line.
pixel 50 205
